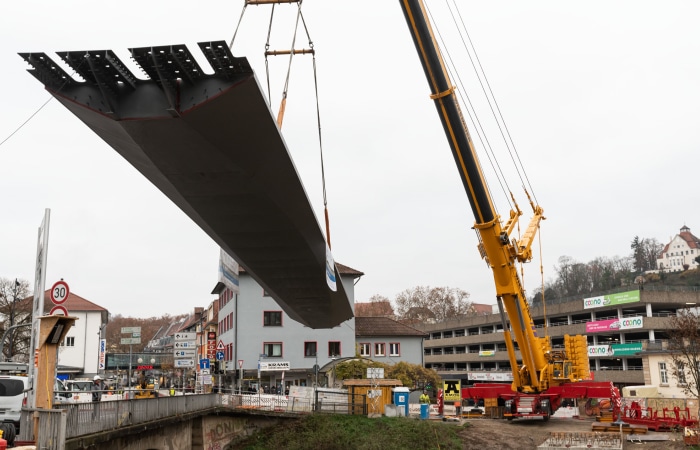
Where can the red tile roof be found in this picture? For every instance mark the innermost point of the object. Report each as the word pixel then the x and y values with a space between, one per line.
pixel 383 326
pixel 73 303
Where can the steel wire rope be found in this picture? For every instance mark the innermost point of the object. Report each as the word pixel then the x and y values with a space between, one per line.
pixel 299 18
pixel 31 116
pixel 471 111
pixel 507 137
pixel 475 119
pixel 519 166
pixel 267 63
pixel 320 136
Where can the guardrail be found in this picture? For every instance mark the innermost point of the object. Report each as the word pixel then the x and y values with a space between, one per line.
pixel 67 421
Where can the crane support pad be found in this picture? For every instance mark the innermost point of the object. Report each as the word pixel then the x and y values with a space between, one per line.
pixel 211 144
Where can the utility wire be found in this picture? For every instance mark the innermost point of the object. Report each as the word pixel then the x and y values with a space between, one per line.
pixel 25 122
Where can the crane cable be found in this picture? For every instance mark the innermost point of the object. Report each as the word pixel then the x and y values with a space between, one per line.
pixel 496 113
pixel 283 102
pixel 495 109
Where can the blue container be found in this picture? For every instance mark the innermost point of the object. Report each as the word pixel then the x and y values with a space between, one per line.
pixel 424 411
pixel 401 399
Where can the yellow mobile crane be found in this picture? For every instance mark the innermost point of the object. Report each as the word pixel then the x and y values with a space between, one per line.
pixel 545 375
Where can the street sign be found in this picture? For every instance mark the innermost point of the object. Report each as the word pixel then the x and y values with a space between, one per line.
pixel 219 356
pixel 58 308
pixel 131 340
pixel 204 363
pixel 184 363
pixel 276 365
pixel 220 345
pixel 127 330
pixel 181 345
pixel 185 337
pixel 185 353
pixel 240 363
pixel 204 372
pixel 59 292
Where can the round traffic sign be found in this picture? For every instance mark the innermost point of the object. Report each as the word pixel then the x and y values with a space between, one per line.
pixel 56 310
pixel 59 292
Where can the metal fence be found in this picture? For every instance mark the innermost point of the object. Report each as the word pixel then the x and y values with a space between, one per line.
pixel 87 418
pixel 323 401
pixel 69 421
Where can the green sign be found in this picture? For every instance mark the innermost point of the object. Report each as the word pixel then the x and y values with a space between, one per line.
pixel 626 349
pixel 611 299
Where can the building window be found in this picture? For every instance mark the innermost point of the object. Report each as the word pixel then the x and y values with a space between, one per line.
pixel 663 374
pixel 272 349
pixel 365 349
pixel 379 349
pixel 333 349
pixel 70 341
pixel 272 318
pixel 309 349
pixel 394 349
pixel 681 374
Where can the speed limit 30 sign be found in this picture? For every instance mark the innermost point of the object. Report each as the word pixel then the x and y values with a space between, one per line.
pixel 59 292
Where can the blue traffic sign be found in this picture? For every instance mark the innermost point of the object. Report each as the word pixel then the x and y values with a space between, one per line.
pixel 219 356
pixel 204 363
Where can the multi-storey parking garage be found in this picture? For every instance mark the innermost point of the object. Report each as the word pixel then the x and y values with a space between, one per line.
pixel 621 326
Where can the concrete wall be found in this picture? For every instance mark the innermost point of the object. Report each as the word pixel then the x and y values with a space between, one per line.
pixel 200 433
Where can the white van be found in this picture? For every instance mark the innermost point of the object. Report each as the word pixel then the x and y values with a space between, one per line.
pixel 12 395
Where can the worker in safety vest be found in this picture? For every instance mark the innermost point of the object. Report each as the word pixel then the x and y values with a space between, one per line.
pixel 424 398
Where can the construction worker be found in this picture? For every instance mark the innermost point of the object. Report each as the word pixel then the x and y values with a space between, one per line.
pixel 424 397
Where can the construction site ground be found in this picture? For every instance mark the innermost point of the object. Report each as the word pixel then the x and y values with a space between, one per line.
pixel 492 434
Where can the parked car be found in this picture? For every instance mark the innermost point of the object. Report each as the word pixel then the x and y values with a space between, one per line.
pixel 61 394
pixel 12 397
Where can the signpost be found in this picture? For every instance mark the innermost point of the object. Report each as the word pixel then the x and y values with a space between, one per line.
pixel 135 338
pixel 184 352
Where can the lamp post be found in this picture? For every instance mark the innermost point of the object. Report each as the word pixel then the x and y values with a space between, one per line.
pixel 260 356
pixel 12 317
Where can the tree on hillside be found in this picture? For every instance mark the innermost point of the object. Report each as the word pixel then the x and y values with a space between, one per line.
pixel 14 312
pixel 378 306
pixel 576 279
pixel 645 252
pixel 422 303
pixel 684 349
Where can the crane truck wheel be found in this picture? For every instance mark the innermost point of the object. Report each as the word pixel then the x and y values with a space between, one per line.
pixel 546 409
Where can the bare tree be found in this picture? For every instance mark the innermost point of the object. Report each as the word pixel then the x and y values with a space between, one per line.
pixel 684 349
pixel 423 303
pixel 15 316
pixel 378 306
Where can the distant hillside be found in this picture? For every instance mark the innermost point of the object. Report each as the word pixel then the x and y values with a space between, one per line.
pixel 685 278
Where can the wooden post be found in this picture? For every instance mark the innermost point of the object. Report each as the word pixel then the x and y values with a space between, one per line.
pixel 52 331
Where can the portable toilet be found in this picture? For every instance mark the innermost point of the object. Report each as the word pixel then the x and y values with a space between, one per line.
pixel 401 399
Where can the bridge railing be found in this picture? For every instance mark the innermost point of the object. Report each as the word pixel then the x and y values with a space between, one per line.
pixel 88 418
pixel 80 419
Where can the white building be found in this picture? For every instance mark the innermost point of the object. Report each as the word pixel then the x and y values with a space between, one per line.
pixel 79 351
pixel 254 330
pixel 681 251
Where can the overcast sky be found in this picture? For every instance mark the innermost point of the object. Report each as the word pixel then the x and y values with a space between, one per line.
pixel 602 100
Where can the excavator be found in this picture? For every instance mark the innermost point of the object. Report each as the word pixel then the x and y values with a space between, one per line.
pixel 544 376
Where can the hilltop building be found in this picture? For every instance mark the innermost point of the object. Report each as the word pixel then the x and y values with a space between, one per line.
pixel 680 253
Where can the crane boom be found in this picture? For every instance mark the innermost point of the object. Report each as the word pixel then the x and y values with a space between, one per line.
pixel 540 368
